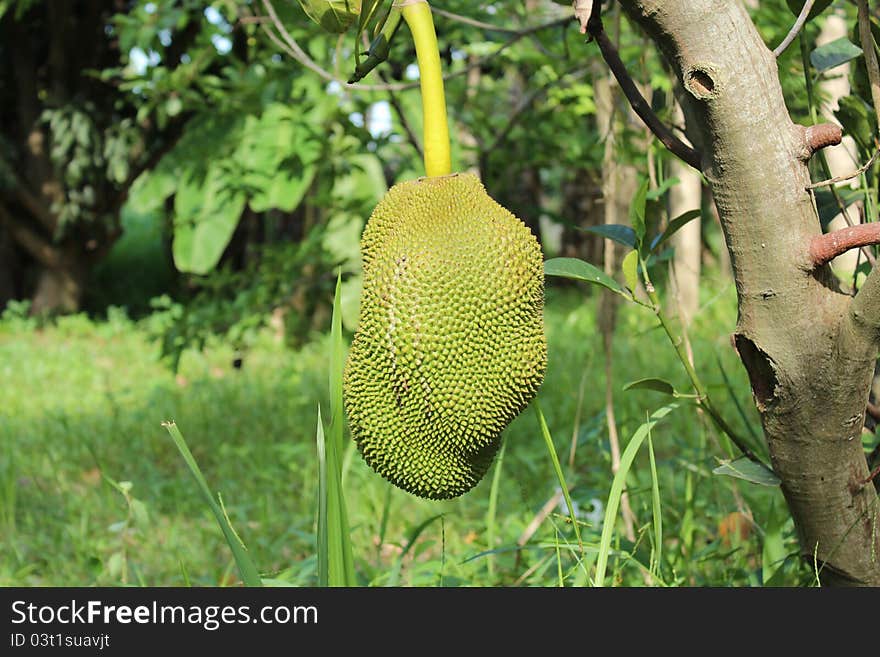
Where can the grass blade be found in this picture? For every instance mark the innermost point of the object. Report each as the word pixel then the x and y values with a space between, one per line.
pixel 323 550
pixel 656 512
pixel 339 558
pixel 617 486
pixel 249 573
pixel 394 577
pixel 493 506
pixel 559 475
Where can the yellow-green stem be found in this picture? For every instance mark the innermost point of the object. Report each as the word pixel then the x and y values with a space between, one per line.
pixel 438 161
pixel 702 393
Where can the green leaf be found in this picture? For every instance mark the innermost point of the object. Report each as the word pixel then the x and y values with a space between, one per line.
pixel 582 271
pixel 827 205
pixel 657 385
pixel 206 214
pixel 660 190
pixel 149 191
pixel 173 106
pixel 674 226
pixel 334 16
pixel 630 268
pixel 277 156
pixel 617 232
pixel 833 54
pixel 818 7
pixel 745 468
pixel 858 121
pixel 637 211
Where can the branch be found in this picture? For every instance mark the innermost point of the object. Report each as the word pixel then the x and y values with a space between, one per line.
pixel 824 248
pixel 289 45
pixel 464 20
pixel 634 96
pixel 795 29
pixel 39 248
pixel 33 204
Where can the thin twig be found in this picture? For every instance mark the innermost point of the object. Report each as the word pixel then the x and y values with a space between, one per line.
pixel 635 98
pixel 539 517
pixel 472 22
pixel 285 41
pixel 795 29
pixel 849 176
pixel 521 108
pixel 464 20
pixel 394 101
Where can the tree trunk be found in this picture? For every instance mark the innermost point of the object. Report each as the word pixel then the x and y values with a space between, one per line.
pixel 8 267
pixel 809 349
pixel 59 290
pixel 687 242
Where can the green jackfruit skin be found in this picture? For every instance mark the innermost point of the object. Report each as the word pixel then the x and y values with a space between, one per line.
pixel 450 345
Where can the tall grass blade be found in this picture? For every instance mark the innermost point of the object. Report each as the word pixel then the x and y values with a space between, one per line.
pixel 657 552
pixel 340 561
pixel 249 573
pixel 773 550
pixel 323 550
pixel 493 507
pixel 559 475
pixel 617 486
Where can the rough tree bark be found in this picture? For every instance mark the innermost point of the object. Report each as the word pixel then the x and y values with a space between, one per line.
pixel 808 348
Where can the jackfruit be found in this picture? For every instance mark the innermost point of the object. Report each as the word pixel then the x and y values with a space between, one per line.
pixel 450 345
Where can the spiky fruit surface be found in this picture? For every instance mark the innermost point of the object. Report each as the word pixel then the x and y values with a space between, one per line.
pixel 450 346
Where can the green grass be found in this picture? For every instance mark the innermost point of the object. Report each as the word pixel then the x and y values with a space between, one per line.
pixel 81 411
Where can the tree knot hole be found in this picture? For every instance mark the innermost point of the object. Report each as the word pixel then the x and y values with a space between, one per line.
pixel 700 82
pixel 762 372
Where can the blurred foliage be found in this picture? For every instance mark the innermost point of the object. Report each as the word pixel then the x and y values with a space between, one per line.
pixel 235 152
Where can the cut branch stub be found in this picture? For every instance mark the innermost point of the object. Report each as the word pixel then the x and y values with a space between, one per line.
pixel 824 248
pixel 819 136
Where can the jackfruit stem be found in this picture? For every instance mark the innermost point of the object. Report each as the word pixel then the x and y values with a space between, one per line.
pixel 417 14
